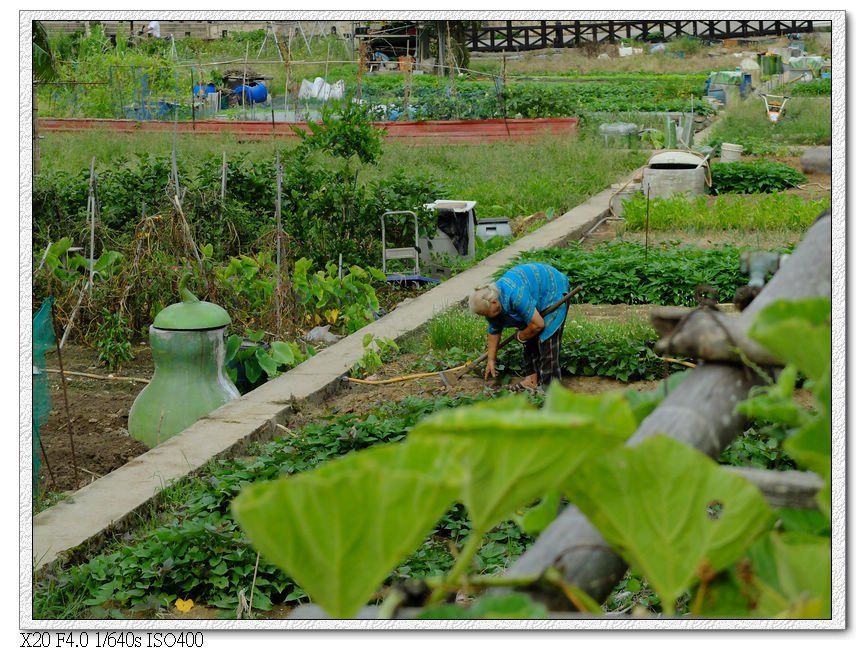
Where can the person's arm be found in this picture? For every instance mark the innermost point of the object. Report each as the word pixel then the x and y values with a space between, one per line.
pixel 535 327
pixel 492 351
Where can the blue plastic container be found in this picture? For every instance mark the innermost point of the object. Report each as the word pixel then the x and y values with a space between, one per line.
pixel 208 89
pixel 719 94
pixel 254 92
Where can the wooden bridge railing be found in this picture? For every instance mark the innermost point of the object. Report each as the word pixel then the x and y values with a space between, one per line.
pixel 558 34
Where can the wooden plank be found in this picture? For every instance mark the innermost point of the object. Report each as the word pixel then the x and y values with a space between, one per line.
pixel 452 131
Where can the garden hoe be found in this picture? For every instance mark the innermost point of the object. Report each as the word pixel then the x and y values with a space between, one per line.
pixel 461 370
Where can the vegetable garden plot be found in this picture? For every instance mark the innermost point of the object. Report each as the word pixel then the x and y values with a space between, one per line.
pixel 350 426
pixel 173 562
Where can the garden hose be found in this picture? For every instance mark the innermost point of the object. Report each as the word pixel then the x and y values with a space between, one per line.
pixel 418 375
pixel 687 364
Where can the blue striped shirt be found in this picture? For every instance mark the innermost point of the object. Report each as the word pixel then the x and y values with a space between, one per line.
pixel 528 287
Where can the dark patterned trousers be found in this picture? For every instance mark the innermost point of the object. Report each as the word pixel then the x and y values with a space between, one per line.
pixel 542 357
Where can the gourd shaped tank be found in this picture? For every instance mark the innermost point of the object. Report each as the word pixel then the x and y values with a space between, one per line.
pixel 189 379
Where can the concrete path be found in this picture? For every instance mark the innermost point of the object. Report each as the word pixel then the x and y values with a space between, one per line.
pixel 69 529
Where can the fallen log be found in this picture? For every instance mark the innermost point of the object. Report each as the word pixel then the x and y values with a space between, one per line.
pixel 699 412
pixel 708 335
pixel 790 489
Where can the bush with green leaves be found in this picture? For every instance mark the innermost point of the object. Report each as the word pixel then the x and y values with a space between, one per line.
pixel 375 351
pixel 816 88
pixel 250 361
pixel 112 339
pixel 438 99
pixel 754 177
pixel 348 302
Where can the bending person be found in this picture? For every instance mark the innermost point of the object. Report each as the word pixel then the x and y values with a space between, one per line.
pixel 517 300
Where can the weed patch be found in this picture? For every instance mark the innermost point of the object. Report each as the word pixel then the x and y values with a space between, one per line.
pixel 753 214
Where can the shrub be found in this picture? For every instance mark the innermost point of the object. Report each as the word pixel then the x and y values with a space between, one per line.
pixel 815 88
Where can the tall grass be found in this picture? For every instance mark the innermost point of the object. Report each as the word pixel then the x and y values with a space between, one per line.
pixel 516 178
pixel 72 152
pixel 505 178
pixel 743 214
pixel 457 328
pixel 807 121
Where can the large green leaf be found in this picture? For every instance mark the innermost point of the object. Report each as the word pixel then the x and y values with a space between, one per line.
pixel 282 353
pixel 266 362
pixel 804 574
pixel 669 511
pixel 791 576
pixel 339 530
pixel 799 333
pixel 517 454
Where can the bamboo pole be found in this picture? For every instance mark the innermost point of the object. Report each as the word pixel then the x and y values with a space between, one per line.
pixel 90 375
pixel 278 246
pixel 65 399
pixel 243 86
pixel 91 209
pixel 224 176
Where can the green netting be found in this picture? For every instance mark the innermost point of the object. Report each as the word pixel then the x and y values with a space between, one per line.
pixel 726 77
pixel 812 63
pixel 43 340
pixel 770 64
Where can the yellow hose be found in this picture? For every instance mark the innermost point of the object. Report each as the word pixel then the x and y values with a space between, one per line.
pixel 394 380
pixel 681 363
pixel 421 375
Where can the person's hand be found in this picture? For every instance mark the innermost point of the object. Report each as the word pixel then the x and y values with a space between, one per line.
pixel 490 369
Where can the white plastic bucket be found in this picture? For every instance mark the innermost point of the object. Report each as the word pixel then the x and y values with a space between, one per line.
pixel 731 152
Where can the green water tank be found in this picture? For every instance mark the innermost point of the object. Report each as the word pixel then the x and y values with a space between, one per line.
pixel 189 379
